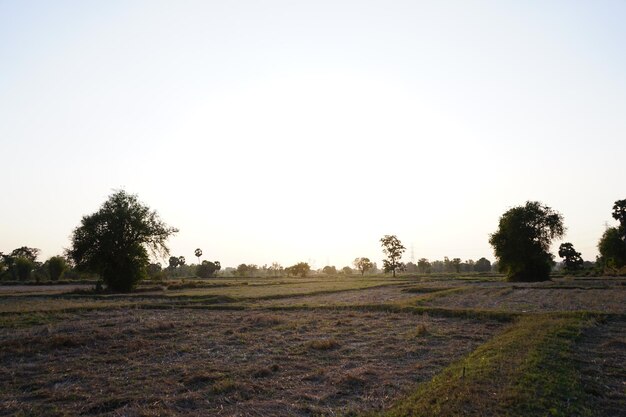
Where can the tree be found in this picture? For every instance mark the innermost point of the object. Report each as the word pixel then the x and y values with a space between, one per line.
pixel 346 270
pixel 26 252
pixel 301 268
pixel 181 261
pixel 173 262
pixel 275 268
pixel 114 241
pixel 619 213
pixel 482 265
pixel 456 264
pixel 572 259
pixel 411 268
pixel 329 270
pixel 522 241
pixel 612 249
pixel 208 269
pixel 362 265
pixel 198 253
pixel 23 267
pixel 57 265
pixel 393 248
pixel 423 265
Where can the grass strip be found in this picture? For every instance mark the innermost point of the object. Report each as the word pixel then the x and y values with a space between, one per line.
pixel 526 370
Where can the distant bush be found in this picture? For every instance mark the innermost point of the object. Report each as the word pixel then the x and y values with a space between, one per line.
pixel 24 267
pixel 57 265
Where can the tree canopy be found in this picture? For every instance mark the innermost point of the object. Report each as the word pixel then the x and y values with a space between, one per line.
pixel 393 249
pixel 363 265
pixel 114 241
pixel 572 259
pixel 522 241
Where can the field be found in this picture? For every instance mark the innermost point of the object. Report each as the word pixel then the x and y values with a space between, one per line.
pixel 369 346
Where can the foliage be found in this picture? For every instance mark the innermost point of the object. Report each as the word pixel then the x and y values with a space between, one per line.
pixel 346 270
pixel 522 241
pixel 393 249
pixel 114 241
pixel 247 270
pixel 329 270
pixel 154 270
pixel 612 244
pixel 57 265
pixel 619 213
pixel 572 259
pixel 362 265
pixel 208 269
pixel 423 265
pixel 23 267
pixel 26 252
pixel 173 262
pixel 612 248
pixel 482 265
pixel 198 253
pixel 181 261
pixel 456 264
pixel 301 269
pixel 275 269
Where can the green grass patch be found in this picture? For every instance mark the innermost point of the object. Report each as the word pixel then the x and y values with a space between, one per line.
pixel 526 370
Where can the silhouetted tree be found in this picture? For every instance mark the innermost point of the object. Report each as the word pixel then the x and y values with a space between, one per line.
pixel 198 253
pixel 619 213
pixel 362 265
pixel 393 248
pixel 173 262
pixel 181 261
pixel 482 265
pixel 114 241
pixel 24 267
pixel 57 265
pixel 26 252
pixel 208 269
pixel 572 259
pixel 346 270
pixel 522 241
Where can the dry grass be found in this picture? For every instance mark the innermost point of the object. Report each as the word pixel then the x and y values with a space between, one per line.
pixel 138 362
pixel 312 347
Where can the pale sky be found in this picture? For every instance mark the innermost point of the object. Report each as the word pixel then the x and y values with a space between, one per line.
pixel 306 130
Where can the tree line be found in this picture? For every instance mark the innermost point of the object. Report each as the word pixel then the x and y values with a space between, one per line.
pixel 116 242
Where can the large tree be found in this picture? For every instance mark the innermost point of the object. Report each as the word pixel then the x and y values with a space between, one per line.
pixel 114 241
pixel 522 241
pixel 393 249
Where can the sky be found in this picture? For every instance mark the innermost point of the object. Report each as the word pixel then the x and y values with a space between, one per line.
pixel 287 131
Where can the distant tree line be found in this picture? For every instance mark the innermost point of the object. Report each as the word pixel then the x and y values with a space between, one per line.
pixel 116 242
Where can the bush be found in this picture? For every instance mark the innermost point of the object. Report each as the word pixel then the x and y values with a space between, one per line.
pixel 56 267
pixel 24 267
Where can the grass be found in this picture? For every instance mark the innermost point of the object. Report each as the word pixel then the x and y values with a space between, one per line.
pixel 527 370
pixel 413 346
